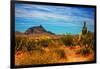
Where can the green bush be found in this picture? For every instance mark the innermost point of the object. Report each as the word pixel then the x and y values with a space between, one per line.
pixel 24 43
pixel 67 40
pixel 45 42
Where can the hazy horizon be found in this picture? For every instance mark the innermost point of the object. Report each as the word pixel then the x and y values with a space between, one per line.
pixel 56 19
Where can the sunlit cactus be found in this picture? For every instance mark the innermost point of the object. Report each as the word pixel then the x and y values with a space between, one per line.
pixel 83 32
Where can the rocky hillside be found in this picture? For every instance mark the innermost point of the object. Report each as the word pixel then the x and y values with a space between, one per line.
pixel 37 30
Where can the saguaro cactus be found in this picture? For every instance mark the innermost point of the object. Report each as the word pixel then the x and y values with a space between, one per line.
pixel 84 29
pixel 83 35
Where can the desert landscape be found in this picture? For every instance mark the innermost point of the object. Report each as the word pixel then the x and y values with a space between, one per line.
pixel 38 46
pixel 46 34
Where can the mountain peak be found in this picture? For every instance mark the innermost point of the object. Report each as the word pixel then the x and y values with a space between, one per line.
pixel 37 30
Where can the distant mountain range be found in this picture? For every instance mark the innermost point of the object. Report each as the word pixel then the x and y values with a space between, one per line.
pixel 36 30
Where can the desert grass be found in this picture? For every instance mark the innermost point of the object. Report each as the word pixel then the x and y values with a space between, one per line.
pixel 45 50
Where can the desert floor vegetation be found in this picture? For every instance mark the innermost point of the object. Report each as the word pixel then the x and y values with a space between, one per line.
pixel 46 50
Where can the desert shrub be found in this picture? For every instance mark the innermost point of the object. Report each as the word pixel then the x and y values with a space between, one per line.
pixel 61 53
pixel 67 40
pixel 87 39
pixel 20 42
pixel 23 44
pixel 30 44
pixel 45 42
pixel 56 43
pixel 75 40
pixel 84 51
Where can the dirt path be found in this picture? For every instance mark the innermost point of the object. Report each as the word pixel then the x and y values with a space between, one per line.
pixel 73 57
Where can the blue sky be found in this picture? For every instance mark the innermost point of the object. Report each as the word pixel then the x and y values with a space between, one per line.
pixel 57 19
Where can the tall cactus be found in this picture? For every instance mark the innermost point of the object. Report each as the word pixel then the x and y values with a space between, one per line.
pixel 83 35
pixel 84 29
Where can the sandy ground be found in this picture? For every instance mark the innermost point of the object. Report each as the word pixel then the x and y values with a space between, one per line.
pixel 70 52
